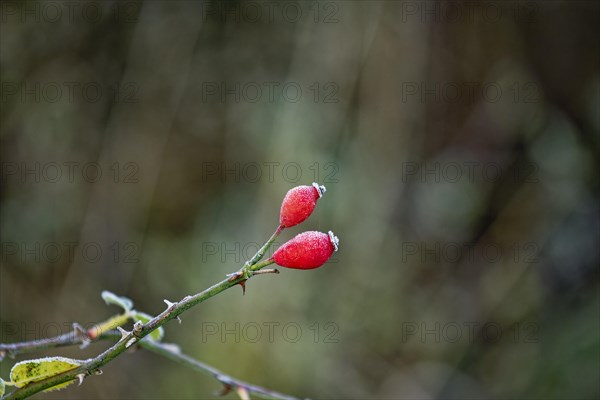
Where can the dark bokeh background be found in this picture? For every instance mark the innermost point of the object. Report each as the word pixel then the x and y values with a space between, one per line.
pixel 458 143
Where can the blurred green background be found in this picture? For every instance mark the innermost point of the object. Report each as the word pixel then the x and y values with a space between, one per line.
pixel 146 147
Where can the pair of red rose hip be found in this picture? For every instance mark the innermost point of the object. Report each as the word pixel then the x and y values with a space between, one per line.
pixel 307 250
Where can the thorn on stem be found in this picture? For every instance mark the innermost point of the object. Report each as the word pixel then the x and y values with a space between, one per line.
pixel 226 389
pixel 85 342
pixel 82 335
pixel 169 303
pixel 123 333
pixel 78 329
pixel 243 285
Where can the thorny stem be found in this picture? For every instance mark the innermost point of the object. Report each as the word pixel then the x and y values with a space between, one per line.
pixel 170 352
pixel 93 365
pixel 167 350
pixel 258 266
pixel 129 338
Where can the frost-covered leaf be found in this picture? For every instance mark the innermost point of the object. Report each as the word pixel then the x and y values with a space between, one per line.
pixel 144 318
pixel 28 371
pixel 1 387
pixel 123 302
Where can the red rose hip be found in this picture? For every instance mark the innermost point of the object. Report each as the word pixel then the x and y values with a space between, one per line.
pixel 307 250
pixel 298 204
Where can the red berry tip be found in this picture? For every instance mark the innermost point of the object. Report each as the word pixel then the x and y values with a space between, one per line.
pixel 334 241
pixel 320 189
pixel 298 204
pixel 307 250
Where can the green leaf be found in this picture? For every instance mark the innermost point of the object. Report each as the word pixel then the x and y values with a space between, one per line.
pixel 157 334
pixel 28 371
pixel 1 387
pixel 123 302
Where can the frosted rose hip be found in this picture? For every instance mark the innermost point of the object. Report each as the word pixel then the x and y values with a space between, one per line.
pixel 307 250
pixel 298 204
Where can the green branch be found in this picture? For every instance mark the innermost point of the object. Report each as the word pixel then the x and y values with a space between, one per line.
pixel 170 351
pixel 141 330
pixel 261 252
